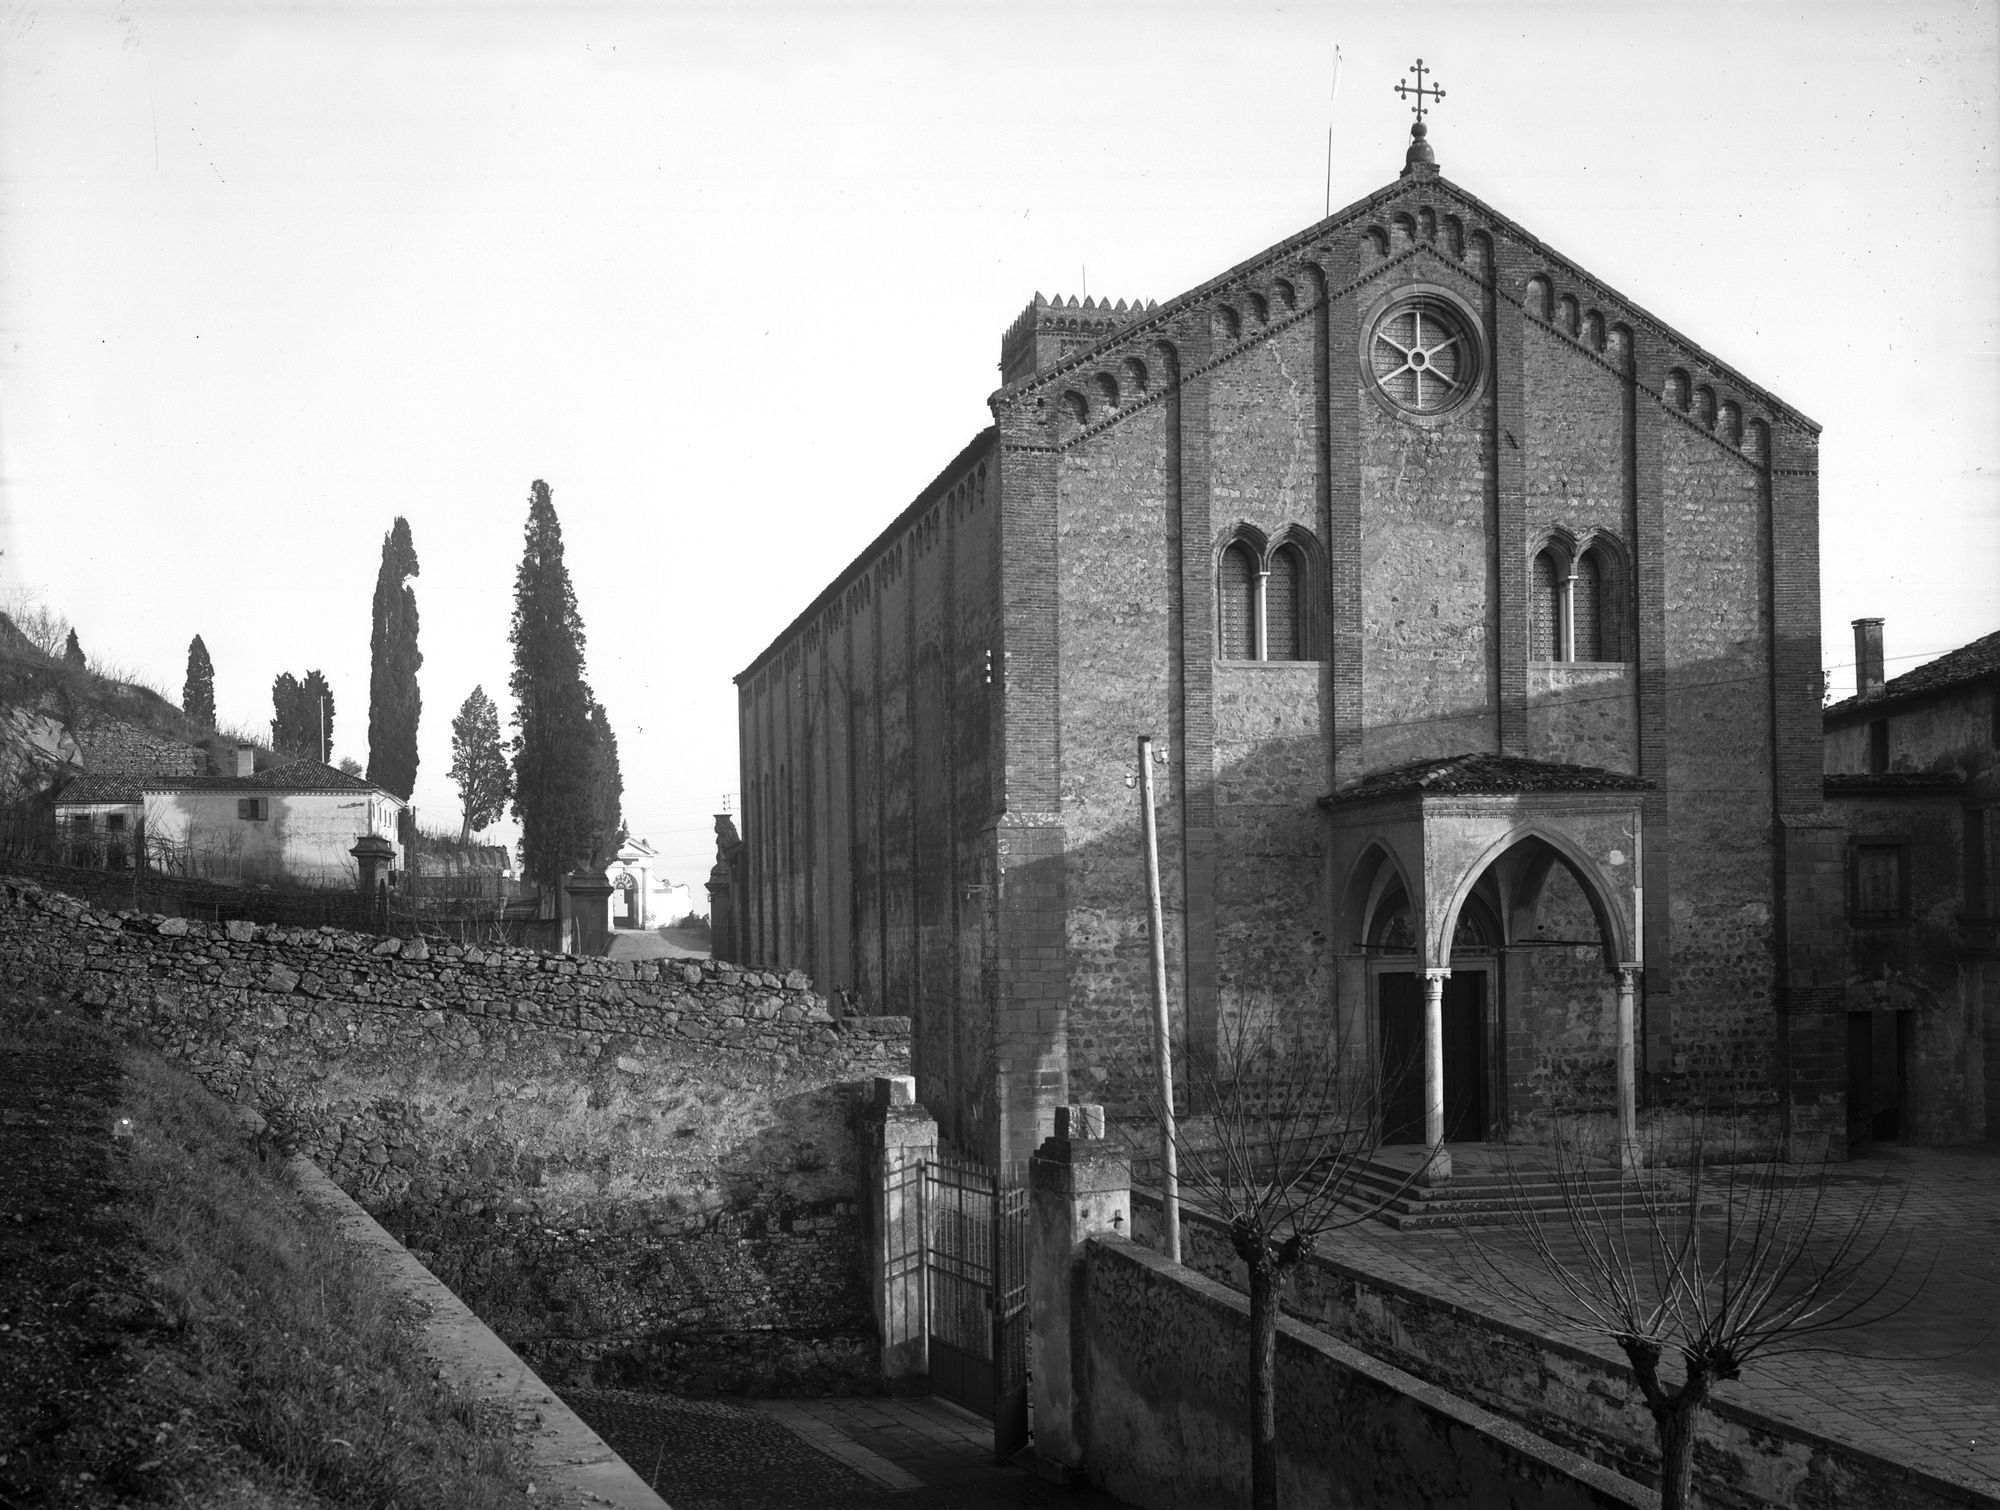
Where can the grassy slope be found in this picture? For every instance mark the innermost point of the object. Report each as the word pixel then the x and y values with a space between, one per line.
pixel 178 1329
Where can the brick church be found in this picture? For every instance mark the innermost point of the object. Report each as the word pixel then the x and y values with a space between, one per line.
pixel 1475 614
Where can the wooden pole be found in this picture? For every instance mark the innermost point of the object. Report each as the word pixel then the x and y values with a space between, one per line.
pixel 1163 1052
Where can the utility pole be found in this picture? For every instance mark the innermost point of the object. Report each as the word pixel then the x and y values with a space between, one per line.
pixel 1163 1052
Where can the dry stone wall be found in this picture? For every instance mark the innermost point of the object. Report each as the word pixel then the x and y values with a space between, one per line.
pixel 641 1172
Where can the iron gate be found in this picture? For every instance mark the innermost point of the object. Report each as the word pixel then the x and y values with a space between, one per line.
pixel 976 1274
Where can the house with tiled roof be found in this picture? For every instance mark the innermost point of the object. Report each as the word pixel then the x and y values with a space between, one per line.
pixel 1912 773
pixel 297 822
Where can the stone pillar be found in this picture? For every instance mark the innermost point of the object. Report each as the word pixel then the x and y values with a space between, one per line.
pixel 1631 1157
pixel 590 912
pixel 1078 1186
pixel 373 855
pixel 898 1137
pixel 1437 1161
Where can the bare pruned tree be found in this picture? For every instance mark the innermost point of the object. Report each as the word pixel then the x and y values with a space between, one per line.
pixel 1283 1127
pixel 1713 1257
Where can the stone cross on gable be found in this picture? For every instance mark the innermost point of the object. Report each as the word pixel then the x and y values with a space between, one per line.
pixel 1419 92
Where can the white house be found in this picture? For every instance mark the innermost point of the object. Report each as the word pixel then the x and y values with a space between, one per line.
pixel 296 822
pixel 640 898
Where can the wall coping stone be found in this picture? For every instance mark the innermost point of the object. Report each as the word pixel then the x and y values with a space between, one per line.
pixel 568 1460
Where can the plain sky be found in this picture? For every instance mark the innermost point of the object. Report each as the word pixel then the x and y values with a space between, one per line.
pixel 732 278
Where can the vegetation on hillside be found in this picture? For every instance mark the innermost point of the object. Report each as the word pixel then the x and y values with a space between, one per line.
pixel 181 1330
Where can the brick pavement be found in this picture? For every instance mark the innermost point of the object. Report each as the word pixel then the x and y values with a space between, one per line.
pixel 1921 1387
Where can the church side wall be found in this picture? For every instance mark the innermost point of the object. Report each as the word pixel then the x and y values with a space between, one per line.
pixel 866 743
pixel 1715 572
pixel 1271 745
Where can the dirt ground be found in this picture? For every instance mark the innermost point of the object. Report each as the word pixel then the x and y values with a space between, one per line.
pixel 73 1309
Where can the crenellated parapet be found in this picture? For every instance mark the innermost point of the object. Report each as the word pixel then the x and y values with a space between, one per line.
pixel 1050 329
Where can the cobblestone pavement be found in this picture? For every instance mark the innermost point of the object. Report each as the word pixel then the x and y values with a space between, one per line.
pixel 834 1454
pixel 1921 1387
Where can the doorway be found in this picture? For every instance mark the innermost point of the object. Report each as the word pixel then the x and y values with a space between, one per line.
pixel 1400 1009
pixel 1878 1045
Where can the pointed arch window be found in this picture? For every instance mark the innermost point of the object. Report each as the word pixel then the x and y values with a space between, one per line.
pixel 1548 608
pixel 1236 604
pixel 1265 596
pixel 1284 596
pixel 1577 601
pixel 1586 610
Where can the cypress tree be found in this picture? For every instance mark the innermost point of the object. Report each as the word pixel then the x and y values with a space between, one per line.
pixel 553 740
pixel 604 789
pixel 394 701
pixel 296 716
pixel 73 656
pixel 198 693
pixel 478 764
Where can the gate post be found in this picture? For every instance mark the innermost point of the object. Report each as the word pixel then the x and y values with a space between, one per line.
pixel 1078 1186
pixel 901 1136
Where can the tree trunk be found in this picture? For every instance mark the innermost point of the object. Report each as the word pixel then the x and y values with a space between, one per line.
pixel 1675 1424
pixel 1264 1280
pixel 465 831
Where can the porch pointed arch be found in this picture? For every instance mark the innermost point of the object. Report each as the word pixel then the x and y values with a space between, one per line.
pixel 1615 907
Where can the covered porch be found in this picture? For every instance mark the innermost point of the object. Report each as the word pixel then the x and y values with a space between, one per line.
pixel 1456 883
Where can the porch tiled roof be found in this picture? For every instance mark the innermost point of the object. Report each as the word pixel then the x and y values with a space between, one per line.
pixel 1484 774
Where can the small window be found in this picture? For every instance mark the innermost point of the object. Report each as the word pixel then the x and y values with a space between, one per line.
pixel 1878 747
pixel 1982 837
pixel 81 822
pixel 114 822
pixel 1878 883
pixel 255 809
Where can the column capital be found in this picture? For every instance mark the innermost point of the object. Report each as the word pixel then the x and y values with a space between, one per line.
pixel 1440 973
pixel 1627 970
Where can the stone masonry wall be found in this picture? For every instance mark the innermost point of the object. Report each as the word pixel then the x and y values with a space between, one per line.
pixel 636 1172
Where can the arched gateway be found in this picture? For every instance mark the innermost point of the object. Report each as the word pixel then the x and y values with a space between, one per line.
pixel 1442 874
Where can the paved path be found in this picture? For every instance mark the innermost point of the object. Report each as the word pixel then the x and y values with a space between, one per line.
pixel 655 943
pixel 1921 1387
pixel 832 1454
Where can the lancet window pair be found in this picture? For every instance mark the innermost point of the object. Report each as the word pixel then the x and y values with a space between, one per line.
pixel 1575 618
pixel 1264 598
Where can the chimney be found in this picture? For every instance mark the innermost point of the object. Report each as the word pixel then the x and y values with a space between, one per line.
pixel 246 760
pixel 1867 658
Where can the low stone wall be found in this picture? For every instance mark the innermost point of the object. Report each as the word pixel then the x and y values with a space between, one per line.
pixel 1166 1412
pixel 637 1172
pixel 1585 1402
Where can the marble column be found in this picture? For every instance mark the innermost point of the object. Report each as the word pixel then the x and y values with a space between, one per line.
pixel 1631 1157
pixel 1437 1161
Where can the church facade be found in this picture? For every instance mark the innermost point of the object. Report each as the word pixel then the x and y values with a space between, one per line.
pixel 1474 613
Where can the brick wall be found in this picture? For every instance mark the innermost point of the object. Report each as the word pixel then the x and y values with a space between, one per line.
pixel 637 1172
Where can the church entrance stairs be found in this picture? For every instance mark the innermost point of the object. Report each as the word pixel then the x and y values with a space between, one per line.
pixel 1492 1184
